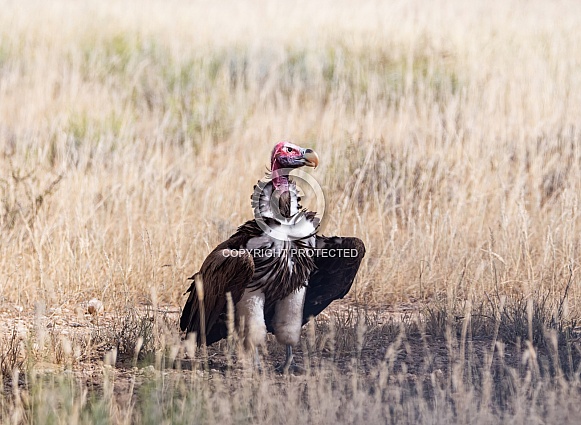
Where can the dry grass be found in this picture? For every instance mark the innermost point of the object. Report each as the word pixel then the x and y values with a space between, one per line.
pixel 131 134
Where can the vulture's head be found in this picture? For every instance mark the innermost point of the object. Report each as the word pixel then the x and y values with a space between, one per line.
pixel 289 155
pixel 285 157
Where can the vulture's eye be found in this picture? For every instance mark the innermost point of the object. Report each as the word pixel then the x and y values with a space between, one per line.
pixel 289 149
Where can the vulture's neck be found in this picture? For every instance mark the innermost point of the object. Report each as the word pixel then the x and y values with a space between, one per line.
pixel 285 192
pixel 280 181
pixel 278 198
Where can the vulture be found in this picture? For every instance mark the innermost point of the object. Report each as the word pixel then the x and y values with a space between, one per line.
pixel 277 270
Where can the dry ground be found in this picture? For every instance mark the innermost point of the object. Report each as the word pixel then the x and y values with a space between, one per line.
pixel 132 133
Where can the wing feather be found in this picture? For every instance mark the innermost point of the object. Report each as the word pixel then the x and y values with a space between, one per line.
pixel 334 274
pixel 223 271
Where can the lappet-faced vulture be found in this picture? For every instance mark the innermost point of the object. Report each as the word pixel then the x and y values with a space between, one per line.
pixel 278 270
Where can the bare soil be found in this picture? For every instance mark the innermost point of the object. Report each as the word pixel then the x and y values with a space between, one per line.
pixel 389 337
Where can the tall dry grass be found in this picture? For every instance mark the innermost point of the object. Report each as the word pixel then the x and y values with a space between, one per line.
pixel 131 134
pixel 448 134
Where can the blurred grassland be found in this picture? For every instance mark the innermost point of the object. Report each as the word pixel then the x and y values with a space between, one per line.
pixel 448 135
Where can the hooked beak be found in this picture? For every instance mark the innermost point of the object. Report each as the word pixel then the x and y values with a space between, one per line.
pixel 311 158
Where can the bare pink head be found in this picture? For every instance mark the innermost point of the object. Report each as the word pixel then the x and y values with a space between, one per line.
pixel 287 155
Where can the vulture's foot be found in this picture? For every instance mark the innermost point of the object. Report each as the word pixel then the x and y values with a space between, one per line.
pixel 289 365
pixel 292 369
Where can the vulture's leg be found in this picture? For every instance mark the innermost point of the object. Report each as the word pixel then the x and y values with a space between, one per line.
pixel 287 322
pixel 250 314
pixel 257 363
pixel 289 359
pixel 288 314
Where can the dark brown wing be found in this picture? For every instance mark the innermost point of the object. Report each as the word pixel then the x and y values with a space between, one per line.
pixel 224 270
pixel 337 260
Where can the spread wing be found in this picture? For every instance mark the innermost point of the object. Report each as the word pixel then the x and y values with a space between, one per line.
pixel 337 260
pixel 223 271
